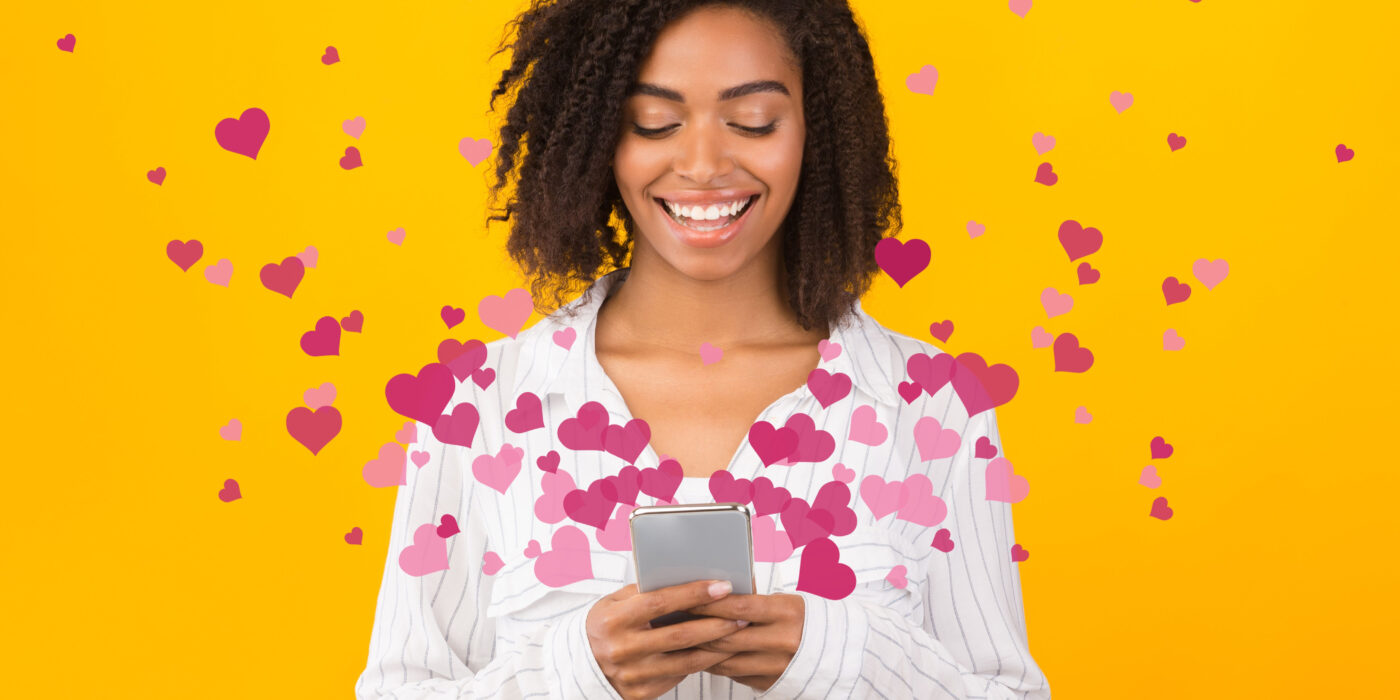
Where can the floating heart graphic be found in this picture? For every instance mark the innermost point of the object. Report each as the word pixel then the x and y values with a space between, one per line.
pixel 898 576
pixel 157 176
pixel 491 562
pixel 726 489
pixel 233 430
pixel 548 462
pixel 283 277
pixel 828 388
pixel 353 127
pixel 532 549
pixel 627 441
pixel 767 498
pixel 423 397
pixel 769 543
pixel 1082 415
pixel 770 443
pixel 828 350
pixel 308 257
pixel 1149 477
pixel 549 507
pixel 585 430
pixel 1042 143
pixel 626 482
pixel 593 506
pixel 1041 338
pixel 427 554
pixel 1160 509
pixel 484 376
pixel 941 330
pixel 1004 484
pixel 565 338
pixel 506 314
pixel 834 497
pixel 710 354
pixel 527 415
pixel 910 391
pixel 330 56
pixel 354 323
pixel 569 561
pixel 804 523
pixel 1210 272
pixel 979 386
pixel 314 430
pixel 230 491
pixel 822 573
pixel 865 428
pixel 1087 274
pixel 617 536
pixel 975 229
pixel 1344 154
pixel 984 448
pixel 452 315
pixel 408 434
pixel 396 236
pixel 67 43
pixel 244 135
pixel 1172 341
pixel 388 469
pixel 902 260
pixel 880 497
pixel 661 482
pixel 354 536
pixel 843 474
pixel 474 150
pixel 1055 303
pixel 459 427
pixel 420 457
pixel 464 359
pixel 943 541
pixel 448 527
pixel 813 443
pixel 1161 449
pixel 1069 357
pixel 323 341
pixel 185 254
pixel 1045 174
pixel 1120 100
pixel 1175 291
pixel 1175 142
pixel 1079 241
pixel 922 82
pixel 920 505
pixel 500 469
pixel 351 159
pixel 933 441
pixel 1018 553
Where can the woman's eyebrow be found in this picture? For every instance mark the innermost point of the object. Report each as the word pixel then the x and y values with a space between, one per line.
pixel 735 92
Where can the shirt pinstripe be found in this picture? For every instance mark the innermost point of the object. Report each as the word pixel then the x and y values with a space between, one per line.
pixel 956 630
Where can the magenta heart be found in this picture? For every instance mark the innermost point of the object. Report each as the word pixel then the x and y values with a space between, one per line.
pixel 902 260
pixel 1175 291
pixel 527 414
pixel 244 135
pixel 1069 357
pixel 822 573
pixel 1175 142
pixel 184 254
pixel 828 388
pixel 1160 510
pixel 661 482
pixel 325 340
pixel 1079 241
pixel 1344 154
pixel 484 376
pixel 941 330
pixel 354 323
pixel 594 506
pixel 834 498
pixel 1161 449
pixel 157 176
pixel 448 527
pixel 423 397
pixel 283 278
pixel 458 428
pixel 464 359
pixel 351 159
pixel 627 441
pixel 770 443
pixel 1087 273
pixel 354 536
pixel 330 56
pixel 626 483
pixel 768 498
pixel 943 541
pixel 67 43
pixel 805 524
pixel 452 315
pixel 313 430
pixel 978 386
pixel 548 462
pixel 585 430
pixel 726 489
pixel 230 491
pixel 813 443
pixel 910 391
pixel 985 448
pixel 1045 174
pixel 1019 553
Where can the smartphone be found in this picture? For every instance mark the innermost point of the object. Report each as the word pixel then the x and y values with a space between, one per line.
pixel 675 544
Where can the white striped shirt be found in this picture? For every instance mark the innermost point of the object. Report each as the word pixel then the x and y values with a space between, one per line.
pixel 955 630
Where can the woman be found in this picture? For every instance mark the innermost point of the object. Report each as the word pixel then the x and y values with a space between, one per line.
pixel 744 148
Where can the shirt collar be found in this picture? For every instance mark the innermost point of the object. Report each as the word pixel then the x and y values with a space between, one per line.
pixel 868 355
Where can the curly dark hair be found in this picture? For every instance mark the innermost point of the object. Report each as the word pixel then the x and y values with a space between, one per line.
pixel 572 64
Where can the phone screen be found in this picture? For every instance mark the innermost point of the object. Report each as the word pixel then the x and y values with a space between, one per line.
pixel 679 544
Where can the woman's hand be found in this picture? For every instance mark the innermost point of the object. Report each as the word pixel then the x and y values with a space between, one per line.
pixel 641 662
pixel 759 653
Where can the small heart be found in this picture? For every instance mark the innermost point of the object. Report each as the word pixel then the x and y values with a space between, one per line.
pixel 1087 273
pixel 1082 415
pixel 67 43
pixel 1210 272
pixel 828 350
pixel 1042 143
pixel 157 176
pixel 1121 101
pixel 898 576
pixel 353 127
pixel 448 527
pixel 1149 477
pixel 408 434
pixel 1172 341
pixel 1055 303
pixel 709 354
pixel 230 491
pixel 420 457
pixel 842 473
pixel 354 536
pixel 975 229
pixel 1161 449
pixel 354 323
pixel 1344 154
pixel 184 254
pixel 233 430
pixel 308 256
pixel 1160 509
pixel 902 260
pixel 1041 338
pixel 548 462
pixel 922 82
pixel 244 134
pixel 941 330
pixel 330 56
pixel 474 150
pixel 491 563
pixel 1020 7
pixel 1019 553
pixel 219 273
pixel 1175 142
pixel 1175 291
pixel 351 159
pixel 910 391
pixel 532 550
pixel 1069 356
pixel 323 395
pixel 943 541
pixel 396 236
pixel 452 315
pixel 484 376
pixel 1045 174
pixel 1078 240
pixel 985 449
pixel 565 338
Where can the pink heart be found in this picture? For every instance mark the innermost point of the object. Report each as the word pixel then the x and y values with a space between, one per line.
pixel 1086 273
pixel 1082 415
pixel 500 469
pixel 822 573
pixel 354 536
pixel 549 507
pixel 979 386
pixel 565 338
pixel 975 229
pixel 1019 553
pixel 865 428
pixel 1041 338
pixel 770 443
pixel 592 506
pixel 805 524
pixel 933 441
pixel 902 260
pixel 943 541
pixel 1172 341
pixel 626 482
pixel 185 254
pixel 1079 241
pixel 448 527
pixel 244 135
pixel 617 536
pixel 709 354
pixel 1175 291
pixel 880 497
pixel 769 543
pixel 1069 357
pixel 67 43
pixel 941 330
pixel 910 391
pixel 1004 484
pixel 527 415
pixel 330 56
pixel 420 457
pixel 452 315
pixel 396 236
pixel 768 498
pixel 898 576
pixel 427 554
pixel 351 159
pixel 627 441
pixel 283 277
pixel 1161 449
pixel 828 349
pixel 828 388
pixel 1175 142
pixel 464 359
pixel 1160 510
pixel 308 257
pixel 324 340
pixel 230 491
pixel 1210 272
pixel 813 443
pixel 922 82
pixel 506 314
pixel 313 430
pixel 570 560
pixel 920 505
pixel 1120 100
pixel 661 482
pixel 1149 477
pixel 491 563
pixel 233 430
pixel 323 395
pixel 1344 154
pixel 726 489
pixel 1045 174
pixel 984 448
pixel 408 434
pixel 532 549
pixel 458 427
pixel 842 473
pixel 157 176
pixel 1041 142
pixel 585 430
pixel 353 127
pixel 548 462
pixel 1055 303
pixel 474 150
pixel 388 469
pixel 422 397
pixel 484 376
pixel 834 497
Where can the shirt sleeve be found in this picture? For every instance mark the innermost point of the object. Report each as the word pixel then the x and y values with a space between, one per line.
pixel 973 601
pixel 431 636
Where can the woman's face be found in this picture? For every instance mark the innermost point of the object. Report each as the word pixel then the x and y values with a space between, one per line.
pixel 711 150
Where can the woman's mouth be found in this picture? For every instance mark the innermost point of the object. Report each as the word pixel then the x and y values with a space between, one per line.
pixel 707 234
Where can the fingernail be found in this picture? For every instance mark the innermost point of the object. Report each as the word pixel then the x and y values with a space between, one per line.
pixel 719 588
pixel 743 623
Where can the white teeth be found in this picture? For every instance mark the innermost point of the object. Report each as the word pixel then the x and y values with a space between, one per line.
pixel 706 213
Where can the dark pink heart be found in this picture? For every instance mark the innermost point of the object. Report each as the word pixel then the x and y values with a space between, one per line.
pixel 464 359
pixel 768 498
pixel 184 254
pixel 1045 174
pixel 527 414
pixel 627 441
pixel 548 462
pixel 834 498
pixel 458 428
pixel 1069 357
pixel 354 323
pixel 985 448
pixel 626 483
pixel 422 397
pixel 902 260
pixel 325 340
pixel 594 506
pixel 910 391
pixel 351 159
pixel 448 527
pixel 803 523
pixel 1161 449
pixel 1079 241
pixel 585 430
pixel 726 489
pixel 943 541
pixel 452 315
pixel 822 573
pixel 828 388
pixel 1087 273
pixel 1175 291
pixel 661 482
pixel 244 135
pixel 770 443
pixel 283 278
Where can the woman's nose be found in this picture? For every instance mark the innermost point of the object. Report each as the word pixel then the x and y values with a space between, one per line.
pixel 703 155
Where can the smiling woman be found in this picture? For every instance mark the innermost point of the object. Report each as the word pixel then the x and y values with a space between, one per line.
pixel 743 148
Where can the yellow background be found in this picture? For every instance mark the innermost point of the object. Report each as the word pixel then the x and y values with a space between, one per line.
pixel 126 576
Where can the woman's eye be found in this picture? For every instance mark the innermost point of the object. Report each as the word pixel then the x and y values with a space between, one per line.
pixel 757 130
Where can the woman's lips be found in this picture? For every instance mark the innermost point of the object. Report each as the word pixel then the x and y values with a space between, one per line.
pixel 706 239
